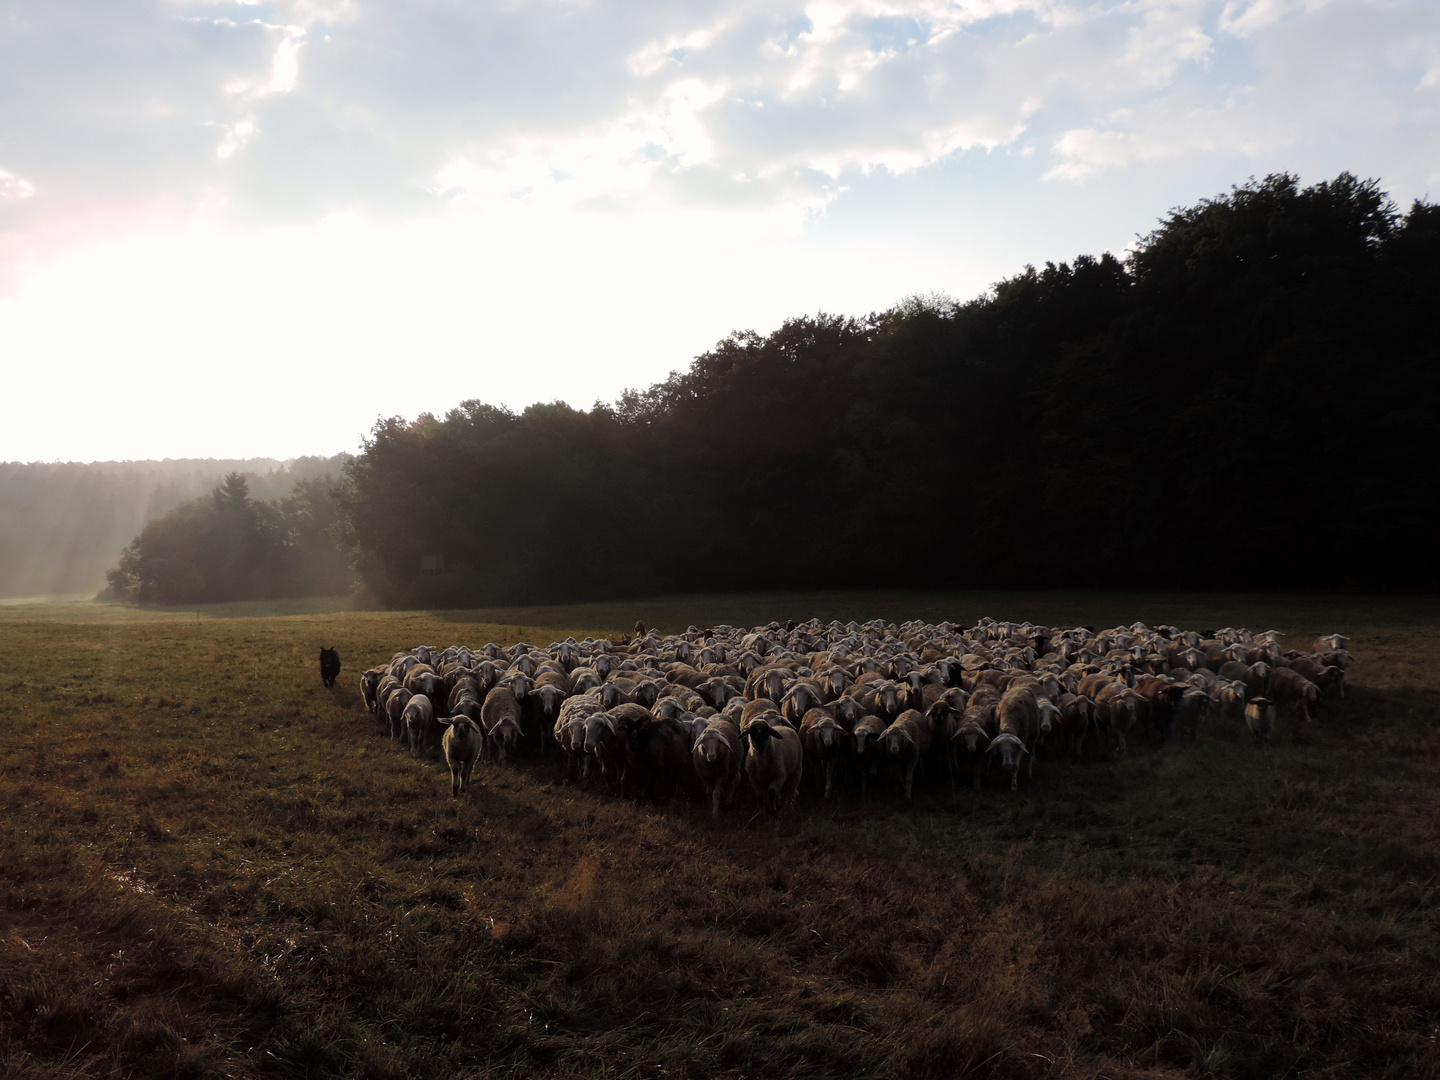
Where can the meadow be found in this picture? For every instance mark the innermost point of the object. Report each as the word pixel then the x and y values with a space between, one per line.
pixel 211 866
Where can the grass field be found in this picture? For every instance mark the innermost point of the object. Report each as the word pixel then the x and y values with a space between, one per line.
pixel 212 866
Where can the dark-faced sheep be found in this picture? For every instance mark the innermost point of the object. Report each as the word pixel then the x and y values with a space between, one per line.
pixel 773 763
pixel 1190 712
pixel 657 758
pixel 757 709
pixel 540 710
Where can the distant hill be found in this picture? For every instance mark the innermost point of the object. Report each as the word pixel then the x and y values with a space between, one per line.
pixel 63 525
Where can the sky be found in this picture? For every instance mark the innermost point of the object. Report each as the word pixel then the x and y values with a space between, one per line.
pixel 234 229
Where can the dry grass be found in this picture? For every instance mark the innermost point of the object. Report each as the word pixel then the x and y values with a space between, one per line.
pixel 211 866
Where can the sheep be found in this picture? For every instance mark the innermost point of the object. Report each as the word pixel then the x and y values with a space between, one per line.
pixel 369 684
pixel 604 742
pixel 802 696
pixel 540 709
pixel 906 742
pixel 395 710
pixel 421 680
pixel 617 690
pixel 1229 698
pixel 970 741
pixel 869 674
pixel 1190 712
pixel 388 684
pixel 773 763
pixel 825 743
pixel 1074 721
pixel 718 757
pixel 857 700
pixel 583 680
pixel 1336 658
pixel 718 689
pixel 416 718
pixel 461 743
pixel 1325 676
pixel 569 733
pixel 500 717
pixel 1019 721
pixel 657 757
pixel 1260 719
pixel 1114 714
pixel 464 688
pixel 1155 700
pixel 770 682
pixel 688 700
pixel 757 709
pixel 1289 687
pixel 683 674
pixel 889 699
pixel 517 682
pixel 866 733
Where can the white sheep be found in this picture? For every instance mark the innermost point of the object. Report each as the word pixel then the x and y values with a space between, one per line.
pixel 416 720
pixel 461 743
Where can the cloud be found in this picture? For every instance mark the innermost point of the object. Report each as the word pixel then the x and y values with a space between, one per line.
pixel 392 175
pixel 288 110
pixel 1322 75
pixel 14 188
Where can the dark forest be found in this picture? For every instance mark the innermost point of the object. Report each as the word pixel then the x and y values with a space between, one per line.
pixel 1240 403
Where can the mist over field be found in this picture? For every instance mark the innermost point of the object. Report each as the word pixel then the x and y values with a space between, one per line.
pixel 63 525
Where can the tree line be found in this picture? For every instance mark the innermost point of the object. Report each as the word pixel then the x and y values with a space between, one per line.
pixel 232 547
pixel 1238 403
pixel 61 523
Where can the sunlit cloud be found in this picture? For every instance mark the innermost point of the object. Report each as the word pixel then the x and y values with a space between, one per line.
pixel 14 188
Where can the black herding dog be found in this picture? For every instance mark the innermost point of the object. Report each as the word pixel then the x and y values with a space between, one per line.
pixel 329 666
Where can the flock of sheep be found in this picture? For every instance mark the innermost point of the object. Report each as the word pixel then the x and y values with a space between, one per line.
pixel 665 715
